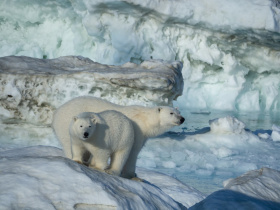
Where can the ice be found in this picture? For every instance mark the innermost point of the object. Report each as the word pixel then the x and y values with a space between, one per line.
pixel 251 183
pixel 230 49
pixel 227 125
pixel 41 178
pixel 257 189
pixel 233 200
pixel 264 135
pixel 275 133
pixel 40 172
pixel 226 150
pixel 184 194
pixel 168 164
pixel 230 55
pixel 33 88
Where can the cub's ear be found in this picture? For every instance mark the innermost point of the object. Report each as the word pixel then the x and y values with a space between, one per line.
pixel 159 109
pixel 75 118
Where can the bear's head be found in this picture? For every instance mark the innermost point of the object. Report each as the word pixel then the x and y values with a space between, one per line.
pixel 84 126
pixel 169 116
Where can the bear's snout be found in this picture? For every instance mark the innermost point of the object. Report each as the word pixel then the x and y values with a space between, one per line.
pixel 182 120
pixel 86 134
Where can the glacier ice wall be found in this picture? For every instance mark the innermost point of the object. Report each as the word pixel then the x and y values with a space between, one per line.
pixel 230 49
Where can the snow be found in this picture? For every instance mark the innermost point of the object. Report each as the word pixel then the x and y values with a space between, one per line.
pixel 41 178
pixel 131 52
pixel 229 48
pixel 275 133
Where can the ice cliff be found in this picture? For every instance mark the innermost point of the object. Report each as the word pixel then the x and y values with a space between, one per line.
pixel 31 89
pixel 230 49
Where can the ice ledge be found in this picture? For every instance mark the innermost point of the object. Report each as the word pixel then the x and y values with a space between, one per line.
pixel 60 183
pixel 32 88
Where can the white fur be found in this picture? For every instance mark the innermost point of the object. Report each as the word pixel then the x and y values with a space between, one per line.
pixel 106 134
pixel 147 122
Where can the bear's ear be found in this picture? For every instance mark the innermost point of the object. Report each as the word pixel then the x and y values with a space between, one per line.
pixel 93 119
pixel 159 109
pixel 75 118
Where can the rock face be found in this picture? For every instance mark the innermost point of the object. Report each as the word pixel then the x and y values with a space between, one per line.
pixel 31 89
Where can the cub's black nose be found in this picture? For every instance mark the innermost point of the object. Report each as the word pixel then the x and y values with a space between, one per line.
pixel 182 120
pixel 86 134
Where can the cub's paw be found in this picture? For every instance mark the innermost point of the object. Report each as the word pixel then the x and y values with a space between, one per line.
pixel 111 172
pixel 96 168
pixel 137 179
pixel 78 161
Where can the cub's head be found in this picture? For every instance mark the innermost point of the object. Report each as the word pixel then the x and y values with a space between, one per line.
pixel 83 126
pixel 170 116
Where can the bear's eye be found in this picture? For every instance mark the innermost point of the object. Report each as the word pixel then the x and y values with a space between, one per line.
pixel 81 126
pixel 89 126
pixel 171 113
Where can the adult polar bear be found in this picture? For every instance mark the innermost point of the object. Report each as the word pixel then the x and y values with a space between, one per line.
pixel 147 122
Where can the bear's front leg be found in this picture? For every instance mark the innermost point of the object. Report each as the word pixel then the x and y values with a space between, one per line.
pixel 78 150
pixel 99 160
pixel 118 159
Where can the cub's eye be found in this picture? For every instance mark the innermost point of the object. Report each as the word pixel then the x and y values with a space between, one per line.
pixel 89 126
pixel 81 126
pixel 171 113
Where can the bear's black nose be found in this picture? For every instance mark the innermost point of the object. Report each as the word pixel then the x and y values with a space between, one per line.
pixel 85 134
pixel 182 120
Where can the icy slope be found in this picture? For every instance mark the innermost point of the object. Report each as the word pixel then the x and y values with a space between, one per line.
pixel 40 178
pixel 31 89
pixel 230 48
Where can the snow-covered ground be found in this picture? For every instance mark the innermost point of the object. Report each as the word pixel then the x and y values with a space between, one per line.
pixel 231 100
pixel 41 177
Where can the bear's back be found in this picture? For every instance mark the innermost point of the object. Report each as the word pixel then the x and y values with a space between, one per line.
pixel 118 128
pixel 115 119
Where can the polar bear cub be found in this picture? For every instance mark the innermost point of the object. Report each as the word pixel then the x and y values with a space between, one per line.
pixel 105 134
